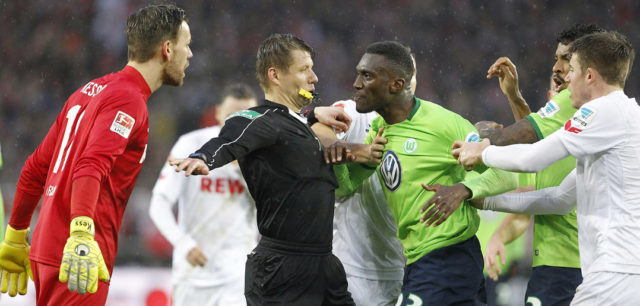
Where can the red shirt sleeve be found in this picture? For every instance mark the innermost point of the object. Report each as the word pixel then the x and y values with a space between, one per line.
pixel 33 177
pixel 84 191
pixel 114 123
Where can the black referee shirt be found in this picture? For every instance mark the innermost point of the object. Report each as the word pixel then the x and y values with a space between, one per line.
pixel 282 161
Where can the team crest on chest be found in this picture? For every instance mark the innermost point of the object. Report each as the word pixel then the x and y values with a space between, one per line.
pixel 391 171
pixel 410 145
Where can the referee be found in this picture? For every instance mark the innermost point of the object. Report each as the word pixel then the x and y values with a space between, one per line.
pixel 283 164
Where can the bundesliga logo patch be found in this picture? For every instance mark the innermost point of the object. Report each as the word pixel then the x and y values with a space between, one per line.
pixel 550 109
pixel 122 124
pixel 472 137
pixel 580 120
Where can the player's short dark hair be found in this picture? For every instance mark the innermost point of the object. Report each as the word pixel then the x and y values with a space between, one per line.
pixel 610 53
pixel 149 27
pixel 239 91
pixel 397 54
pixel 275 51
pixel 576 31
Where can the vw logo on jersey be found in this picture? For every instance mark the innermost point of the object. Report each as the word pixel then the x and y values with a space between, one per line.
pixel 410 145
pixel 391 171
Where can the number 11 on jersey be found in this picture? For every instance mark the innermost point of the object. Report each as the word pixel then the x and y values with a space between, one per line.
pixel 64 151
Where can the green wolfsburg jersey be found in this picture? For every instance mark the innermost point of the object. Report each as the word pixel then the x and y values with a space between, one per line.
pixel 419 151
pixel 555 238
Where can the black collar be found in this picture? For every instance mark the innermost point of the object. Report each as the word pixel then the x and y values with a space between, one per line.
pixel 268 103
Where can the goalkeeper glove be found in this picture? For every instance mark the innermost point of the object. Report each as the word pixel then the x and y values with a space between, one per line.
pixel 82 261
pixel 14 261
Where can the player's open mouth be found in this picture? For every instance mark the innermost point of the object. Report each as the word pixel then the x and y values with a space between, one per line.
pixel 559 83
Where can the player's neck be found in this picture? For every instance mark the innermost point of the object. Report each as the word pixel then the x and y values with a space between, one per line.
pixel 398 111
pixel 603 89
pixel 150 71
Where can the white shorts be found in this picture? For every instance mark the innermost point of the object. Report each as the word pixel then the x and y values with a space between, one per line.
pixel 366 291
pixel 227 294
pixel 608 288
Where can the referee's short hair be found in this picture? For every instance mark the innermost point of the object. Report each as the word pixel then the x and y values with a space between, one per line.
pixel 275 51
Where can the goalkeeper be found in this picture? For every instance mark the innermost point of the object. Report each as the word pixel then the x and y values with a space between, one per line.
pixel 87 166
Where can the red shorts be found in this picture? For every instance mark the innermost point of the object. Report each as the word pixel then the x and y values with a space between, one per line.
pixel 50 291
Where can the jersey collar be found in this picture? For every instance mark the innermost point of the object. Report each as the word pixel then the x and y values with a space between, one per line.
pixel 415 108
pixel 137 78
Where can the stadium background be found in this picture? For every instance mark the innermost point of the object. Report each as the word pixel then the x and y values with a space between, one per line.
pixel 50 48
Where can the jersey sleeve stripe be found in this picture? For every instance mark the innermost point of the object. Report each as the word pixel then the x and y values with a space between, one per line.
pixel 213 157
pixel 535 127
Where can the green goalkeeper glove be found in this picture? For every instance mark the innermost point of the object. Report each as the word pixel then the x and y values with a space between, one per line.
pixel 82 261
pixel 14 261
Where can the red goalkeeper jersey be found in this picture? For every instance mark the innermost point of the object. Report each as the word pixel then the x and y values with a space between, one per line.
pixel 101 132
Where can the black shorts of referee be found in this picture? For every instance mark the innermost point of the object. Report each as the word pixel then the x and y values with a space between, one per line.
pixel 286 273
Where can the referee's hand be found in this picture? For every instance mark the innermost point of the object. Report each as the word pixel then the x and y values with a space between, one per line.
pixel 190 166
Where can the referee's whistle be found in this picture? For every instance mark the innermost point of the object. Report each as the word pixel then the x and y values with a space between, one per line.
pixel 306 94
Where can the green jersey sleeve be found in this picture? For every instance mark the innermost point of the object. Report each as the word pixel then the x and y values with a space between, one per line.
pixel 491 182
pixel 350 177
pixel 553 115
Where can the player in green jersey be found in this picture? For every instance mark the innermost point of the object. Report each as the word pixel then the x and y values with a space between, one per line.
pixel 556 260
pixel 419 135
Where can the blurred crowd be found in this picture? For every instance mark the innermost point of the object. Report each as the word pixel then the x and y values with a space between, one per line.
pixel 51 48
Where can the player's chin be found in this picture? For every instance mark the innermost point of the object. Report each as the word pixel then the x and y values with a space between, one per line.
pixel 173 80
pixel 363 108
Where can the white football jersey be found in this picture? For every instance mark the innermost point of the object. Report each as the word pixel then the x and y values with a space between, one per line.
pixel 214 211
pixel 604 136
pixel 364 229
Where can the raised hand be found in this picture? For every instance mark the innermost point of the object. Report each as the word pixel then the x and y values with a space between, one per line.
pixel 487 128
pixel 333 116
pixel 339 152
pixel 507 75
pixel 190 166
pixel 343 152
pixel 469 154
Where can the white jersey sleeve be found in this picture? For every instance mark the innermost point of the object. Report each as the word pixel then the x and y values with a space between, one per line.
pixel 594 128
pixel 559 200
pixel 526 157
